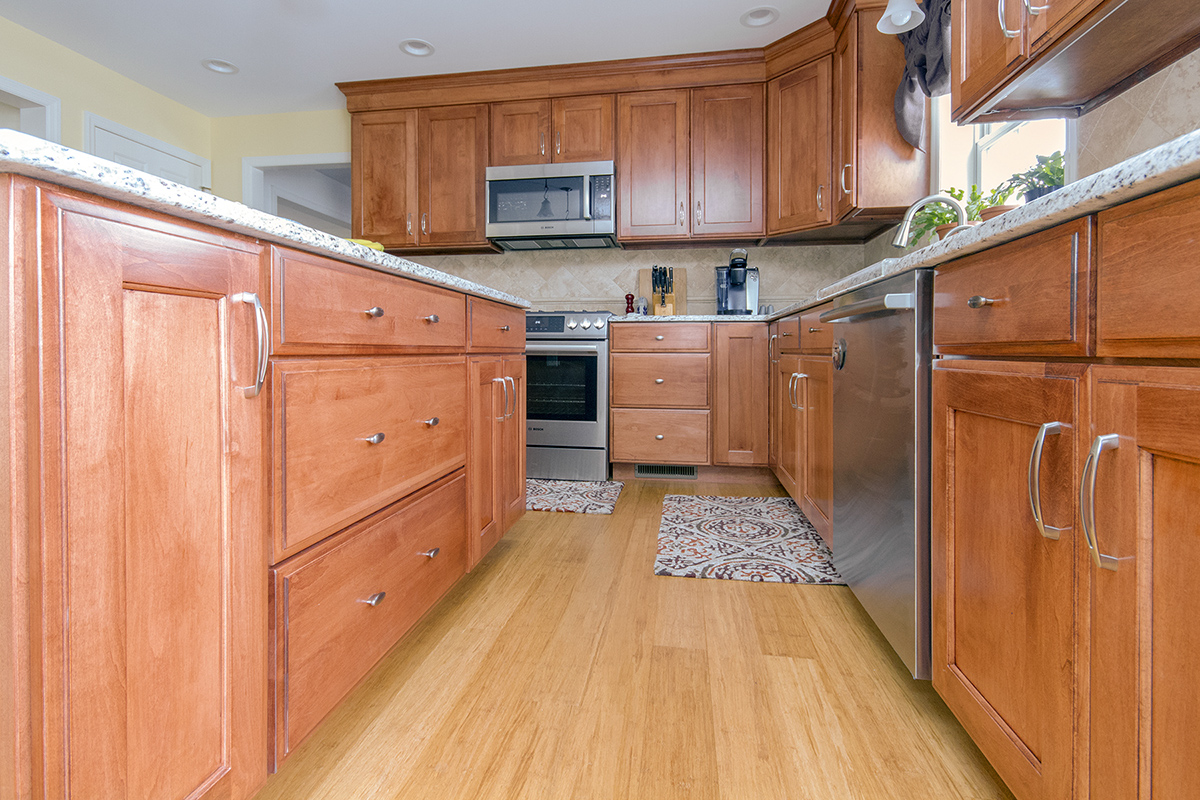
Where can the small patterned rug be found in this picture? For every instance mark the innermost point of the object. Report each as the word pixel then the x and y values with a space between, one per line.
pixel 581 497
pixel 741 538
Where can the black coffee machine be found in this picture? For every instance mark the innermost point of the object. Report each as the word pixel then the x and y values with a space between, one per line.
pixel 737 285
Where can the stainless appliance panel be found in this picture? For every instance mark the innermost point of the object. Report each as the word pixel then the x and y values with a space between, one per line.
pixel 881 419
pixel 548 359
pixel 567 205
pixel 566 463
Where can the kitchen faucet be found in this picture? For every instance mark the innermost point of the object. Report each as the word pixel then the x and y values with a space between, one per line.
pixel 901 239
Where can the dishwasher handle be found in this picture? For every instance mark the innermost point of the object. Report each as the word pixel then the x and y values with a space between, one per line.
pixel 901 301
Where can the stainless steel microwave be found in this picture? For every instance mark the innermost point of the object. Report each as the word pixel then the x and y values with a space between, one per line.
pixel 551 206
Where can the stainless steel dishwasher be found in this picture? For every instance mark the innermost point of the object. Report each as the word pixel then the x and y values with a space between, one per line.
pixel 881 399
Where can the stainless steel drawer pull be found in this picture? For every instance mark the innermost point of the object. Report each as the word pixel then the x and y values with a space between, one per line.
pixel 785 334
pixel 814 330
pixel 1087 498
pixel 659 436
pixel 432 553
pixel 658 380
pixel 377 438
pixel 504 329
pixel 1034 476
pixel 374 311
pixel 658 338
pixel 263 331
pixel 432 318
pixel 432 422
pixel 978 301
pixel 374 599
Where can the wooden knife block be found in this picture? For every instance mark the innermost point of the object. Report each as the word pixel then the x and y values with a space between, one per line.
pixel 676 302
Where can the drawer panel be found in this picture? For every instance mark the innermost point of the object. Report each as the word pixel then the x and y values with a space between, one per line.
pixel 1030 296
pixel 496 327
pixel 1147 262
pixel 816 337
pixel 669 380
pixel 659 336
pixel 326 636
pixel 652 436
pixel 325 303
pixel 329 473
pixel 789 335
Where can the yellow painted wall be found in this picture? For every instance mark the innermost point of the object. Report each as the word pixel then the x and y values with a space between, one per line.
pixel 299 133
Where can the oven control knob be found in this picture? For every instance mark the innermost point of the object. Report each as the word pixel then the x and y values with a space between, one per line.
pixel 599 324
pixel 572 325
pixel 585 324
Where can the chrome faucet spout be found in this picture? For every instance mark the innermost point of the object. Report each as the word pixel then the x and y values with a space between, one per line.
pixel 901 239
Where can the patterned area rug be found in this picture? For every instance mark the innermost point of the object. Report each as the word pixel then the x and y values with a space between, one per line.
pixel 582 497
pixel 741 538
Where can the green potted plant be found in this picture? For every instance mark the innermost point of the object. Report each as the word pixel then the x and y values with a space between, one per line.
pixel 941 219
pixel 1040 179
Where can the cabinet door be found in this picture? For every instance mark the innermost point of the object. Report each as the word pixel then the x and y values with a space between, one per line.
pixel 153 596
pixel 989 41
pixel 1144 597
pixel 799 149
pixel 791 426
pixel 845 110
pixel 1049 18
pixel 818 445
pixel 384 178
pixel 583 128
pixel 454 153
pixel 727 160
pixel 486 410
pixel 739 414
pixel 512 437
pixel 1002 591
pixel 774 406
pixel 520 133
pixel 652 165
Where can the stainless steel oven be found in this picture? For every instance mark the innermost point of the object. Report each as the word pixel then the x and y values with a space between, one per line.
pixel 566 363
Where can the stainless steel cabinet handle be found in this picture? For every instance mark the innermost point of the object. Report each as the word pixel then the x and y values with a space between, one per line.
pixel 845 189
pixel 658 436
pixel 504 413
pixel 432 319
pixel 681 217
pixel 658 338
pixel 558 143
pixel 504 329
pixel 814 330
pixel 698 212
pixel 1034 476
pixel 792 390
pixel 1003 23
pixel 658 380
pixel 770 348
pixel 432 553
pixel 785 334
pixel 409 223
pixel 432 422
pixel 979 301
pixel 262 329
pixel 425 223
pixel 542 143
pixel 1035 10
pixel 374 311
pixel 376 439
pixel 507 379
pixel 1087 498
pixel 820 197
pixel 374 599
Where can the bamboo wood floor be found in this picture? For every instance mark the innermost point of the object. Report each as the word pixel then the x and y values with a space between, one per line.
pixel 562 667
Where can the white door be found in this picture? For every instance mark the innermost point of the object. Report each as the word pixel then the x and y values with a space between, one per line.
pixel 131 148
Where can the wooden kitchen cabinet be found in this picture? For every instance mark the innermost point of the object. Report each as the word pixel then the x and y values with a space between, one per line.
pixel 418 177
pixel 740 384
pixel 800 148
pixel 557 130
pixel 817 462
pixel 690 163
pixel 791 423
pixel 140 670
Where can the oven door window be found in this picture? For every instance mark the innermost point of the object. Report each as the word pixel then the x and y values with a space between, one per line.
pixel 561 387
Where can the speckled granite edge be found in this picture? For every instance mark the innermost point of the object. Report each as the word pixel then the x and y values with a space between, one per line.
pixel 1160 168
pixel 35 158
pixel 693 318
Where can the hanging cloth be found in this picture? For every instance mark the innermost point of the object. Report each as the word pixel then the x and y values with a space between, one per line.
pixel 926 69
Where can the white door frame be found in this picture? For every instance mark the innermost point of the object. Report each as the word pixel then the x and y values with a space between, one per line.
pixel 93 122
pixel 254 184
pixel 41 113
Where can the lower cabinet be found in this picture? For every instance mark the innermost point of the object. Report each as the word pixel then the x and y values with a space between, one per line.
pixel 790 424
pixel 340 606
pixel 496 466
pixel 740 384
pixel 817 448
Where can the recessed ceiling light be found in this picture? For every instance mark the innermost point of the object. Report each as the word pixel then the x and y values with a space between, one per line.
pixel 417 47
pixel 219 65
pixel 757 17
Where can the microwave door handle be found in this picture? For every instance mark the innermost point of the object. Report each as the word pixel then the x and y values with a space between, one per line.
pixel 587 197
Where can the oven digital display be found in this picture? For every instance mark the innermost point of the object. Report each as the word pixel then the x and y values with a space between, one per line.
pixel 548 324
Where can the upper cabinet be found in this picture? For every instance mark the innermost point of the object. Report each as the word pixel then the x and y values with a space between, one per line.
pixel 690 163
pixel 418 177
pixel 799 149
pixel 1019 59
pixel 564 129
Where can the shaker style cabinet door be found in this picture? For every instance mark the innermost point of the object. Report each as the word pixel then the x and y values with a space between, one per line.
pixel 652 165
pixel 452 192
pixel 987 43
pixel 520 132
pixel 727 160
pixel 800 149
pixel 384 177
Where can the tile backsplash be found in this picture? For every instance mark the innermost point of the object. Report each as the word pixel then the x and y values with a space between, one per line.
pixel 598 280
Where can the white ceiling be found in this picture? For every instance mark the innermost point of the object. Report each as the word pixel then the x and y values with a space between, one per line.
pixel 291 52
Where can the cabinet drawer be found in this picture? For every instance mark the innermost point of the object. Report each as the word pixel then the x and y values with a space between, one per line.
pixel 659 336
pixel 327 635
pixel 660 436
pixel 1030 296
pixel 789 335
pixel 667 380
pixel 330 473
pixel 496 327
pixel 816 337
pixel 1147 262
pixel 326 303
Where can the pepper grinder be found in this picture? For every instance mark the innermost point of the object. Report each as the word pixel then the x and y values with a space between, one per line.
pixel 628 304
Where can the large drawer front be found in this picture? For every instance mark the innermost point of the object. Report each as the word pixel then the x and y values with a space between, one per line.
pixel 651 337
pixel 496 328
pixel 325 303
pixel 330 471
pixel 671 380
pixel 659 436
pixel 327 633
pixel 1029 296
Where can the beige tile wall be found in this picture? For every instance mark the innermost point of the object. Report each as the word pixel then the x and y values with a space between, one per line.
pixel 597 280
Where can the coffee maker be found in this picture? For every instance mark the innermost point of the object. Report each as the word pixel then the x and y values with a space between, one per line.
pixel 737 285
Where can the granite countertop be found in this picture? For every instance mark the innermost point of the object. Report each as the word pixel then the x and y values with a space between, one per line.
pixel 693 318
pixel 36 158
